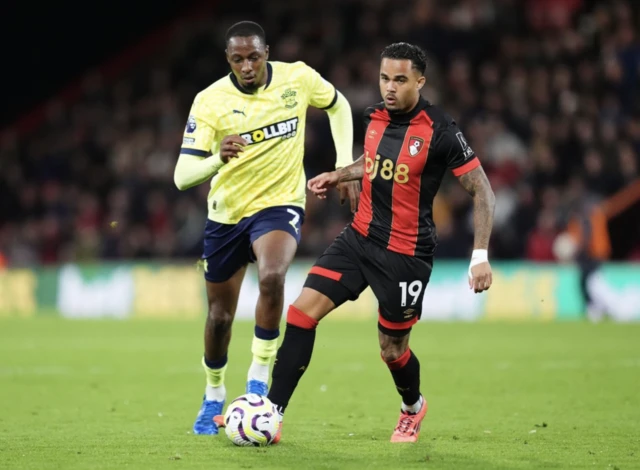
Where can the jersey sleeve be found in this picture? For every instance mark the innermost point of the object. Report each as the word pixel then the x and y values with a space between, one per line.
pixel 322 94
pixel 459 156
pixel 199 132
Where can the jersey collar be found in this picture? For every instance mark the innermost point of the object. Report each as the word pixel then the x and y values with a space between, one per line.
pixel 406 117
pixel 236 84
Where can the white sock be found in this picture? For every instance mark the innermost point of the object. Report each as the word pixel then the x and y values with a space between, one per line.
pixel 258 372
pixel 413 408
pixel 215 393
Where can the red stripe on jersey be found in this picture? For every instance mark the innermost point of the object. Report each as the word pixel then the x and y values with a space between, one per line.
pixel 405 200
pixel 467 167
pixel 373 136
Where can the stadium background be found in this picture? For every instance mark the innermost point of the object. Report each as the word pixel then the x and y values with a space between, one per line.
pixel 546 92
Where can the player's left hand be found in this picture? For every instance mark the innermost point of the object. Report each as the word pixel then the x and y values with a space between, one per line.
pixel 481 277
pixel 350 190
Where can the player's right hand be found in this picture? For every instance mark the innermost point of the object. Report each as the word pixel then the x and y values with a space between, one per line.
pixel 322 182
pixel 231 146
pixel 480 277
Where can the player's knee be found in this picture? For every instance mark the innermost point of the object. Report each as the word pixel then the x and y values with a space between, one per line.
pixel 220 318
pixel 272 284
pixel 391 352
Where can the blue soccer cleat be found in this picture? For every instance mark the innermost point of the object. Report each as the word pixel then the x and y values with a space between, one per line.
pixel 204 421
pixel 257 387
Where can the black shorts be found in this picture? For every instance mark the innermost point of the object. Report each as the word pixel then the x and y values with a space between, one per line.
pixel 353 262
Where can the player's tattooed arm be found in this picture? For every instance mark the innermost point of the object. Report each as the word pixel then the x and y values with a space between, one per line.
pixel 345 179
pixel 355 171
pixel 478 186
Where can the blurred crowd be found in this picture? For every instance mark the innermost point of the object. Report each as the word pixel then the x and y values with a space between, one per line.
pixel 546 91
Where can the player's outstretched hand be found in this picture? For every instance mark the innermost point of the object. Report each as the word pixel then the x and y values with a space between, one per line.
pixel 231 146
pixel 481 277
pixel 350 190
pixel 322 182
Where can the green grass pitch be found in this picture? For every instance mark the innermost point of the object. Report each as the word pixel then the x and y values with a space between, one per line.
pixel 109 394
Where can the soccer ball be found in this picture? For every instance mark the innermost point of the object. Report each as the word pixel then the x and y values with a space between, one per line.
pixel 251 420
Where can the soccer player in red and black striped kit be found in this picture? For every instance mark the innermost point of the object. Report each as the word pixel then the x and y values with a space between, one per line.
pixel 409 145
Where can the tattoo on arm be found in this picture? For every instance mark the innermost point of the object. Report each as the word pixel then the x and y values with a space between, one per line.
pixel 355 171
pixel 478 186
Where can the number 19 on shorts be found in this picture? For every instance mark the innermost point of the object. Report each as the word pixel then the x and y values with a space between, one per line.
pixel 412 289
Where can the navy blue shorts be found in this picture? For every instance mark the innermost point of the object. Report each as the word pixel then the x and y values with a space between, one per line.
pixel 227 248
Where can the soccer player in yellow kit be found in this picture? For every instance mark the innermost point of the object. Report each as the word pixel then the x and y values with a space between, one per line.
pixel 245 133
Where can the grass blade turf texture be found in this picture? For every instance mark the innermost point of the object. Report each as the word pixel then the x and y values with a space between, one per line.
pixel 110 394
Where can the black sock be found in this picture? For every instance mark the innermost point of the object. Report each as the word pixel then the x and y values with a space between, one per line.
pixel 406 374
pixel 292 361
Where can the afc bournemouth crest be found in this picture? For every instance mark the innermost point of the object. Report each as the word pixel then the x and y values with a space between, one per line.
pixel 289 97
pixel 415 145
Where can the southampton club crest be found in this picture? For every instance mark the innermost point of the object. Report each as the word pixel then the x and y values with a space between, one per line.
pixel 289 97
pixel 415 145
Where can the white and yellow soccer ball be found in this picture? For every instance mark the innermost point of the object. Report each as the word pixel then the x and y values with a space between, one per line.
pixel 251 420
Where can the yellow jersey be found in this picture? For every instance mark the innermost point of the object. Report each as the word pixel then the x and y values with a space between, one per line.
pixel 269 172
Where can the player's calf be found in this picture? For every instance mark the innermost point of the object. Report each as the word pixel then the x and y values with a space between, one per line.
pixel 217 330
pixel 274 251
pixel 293 357
pixel 221 297
pixel 265 340
pixel 405 370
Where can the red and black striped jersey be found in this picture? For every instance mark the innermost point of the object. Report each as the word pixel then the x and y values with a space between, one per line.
pixel 406 157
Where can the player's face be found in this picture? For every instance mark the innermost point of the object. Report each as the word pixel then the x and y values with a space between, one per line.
pixel 400 84
pixel 248 59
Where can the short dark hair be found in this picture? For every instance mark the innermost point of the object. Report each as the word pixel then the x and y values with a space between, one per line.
pixel 245 29
pixel 404 50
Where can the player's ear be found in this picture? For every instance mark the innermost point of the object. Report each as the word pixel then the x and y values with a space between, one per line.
pixel 266 52
pixel 421 81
